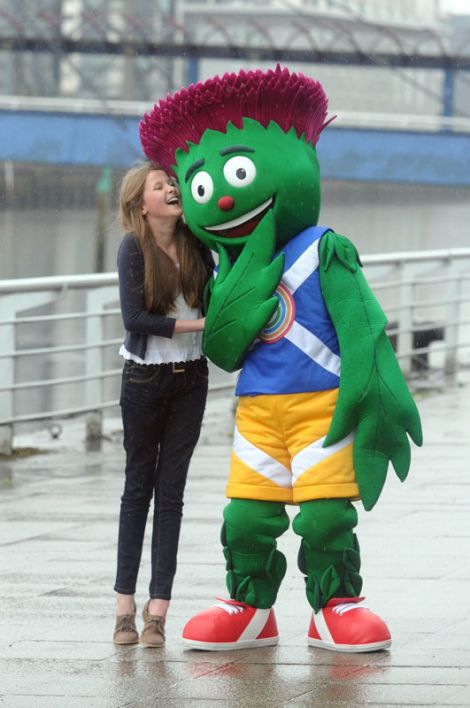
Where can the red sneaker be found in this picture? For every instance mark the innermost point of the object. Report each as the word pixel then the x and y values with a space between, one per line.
pixel 230 624
pixel 345 624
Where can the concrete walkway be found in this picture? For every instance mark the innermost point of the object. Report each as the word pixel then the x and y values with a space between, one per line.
pixel 58 524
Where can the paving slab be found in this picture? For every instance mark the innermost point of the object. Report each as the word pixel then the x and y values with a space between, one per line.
pixel 58 525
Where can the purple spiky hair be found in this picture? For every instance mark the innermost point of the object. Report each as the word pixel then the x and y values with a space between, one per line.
pixel 291 100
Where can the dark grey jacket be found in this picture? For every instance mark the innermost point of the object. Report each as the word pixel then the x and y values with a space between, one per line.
pixel 138 321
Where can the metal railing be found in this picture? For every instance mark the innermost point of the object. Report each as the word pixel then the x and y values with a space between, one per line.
pixel 60 336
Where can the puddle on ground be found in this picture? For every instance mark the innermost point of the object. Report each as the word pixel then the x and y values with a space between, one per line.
pixel 6 476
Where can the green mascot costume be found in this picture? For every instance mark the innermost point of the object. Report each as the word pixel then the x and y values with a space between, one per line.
pixel 323 406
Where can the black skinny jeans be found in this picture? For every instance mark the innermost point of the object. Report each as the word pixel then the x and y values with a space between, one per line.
pixel 162 411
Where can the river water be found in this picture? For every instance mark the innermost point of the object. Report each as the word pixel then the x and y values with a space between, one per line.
pixel 377 217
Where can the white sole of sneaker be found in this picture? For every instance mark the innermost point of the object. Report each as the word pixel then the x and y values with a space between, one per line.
pixel 229 646
pixel 351 648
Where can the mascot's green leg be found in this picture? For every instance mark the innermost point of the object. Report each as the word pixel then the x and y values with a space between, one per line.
pixel 255 568
pixel 329 551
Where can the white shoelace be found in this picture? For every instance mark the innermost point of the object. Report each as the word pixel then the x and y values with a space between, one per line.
pixel 228 607
pixel 347 606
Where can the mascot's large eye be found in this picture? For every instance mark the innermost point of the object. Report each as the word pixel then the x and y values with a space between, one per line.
pixel 239 171
pixel 202 187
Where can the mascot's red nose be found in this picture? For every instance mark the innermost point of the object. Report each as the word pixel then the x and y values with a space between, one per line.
pixel 226 203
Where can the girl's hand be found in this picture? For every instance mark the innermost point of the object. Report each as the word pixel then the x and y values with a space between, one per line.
pixel 185 326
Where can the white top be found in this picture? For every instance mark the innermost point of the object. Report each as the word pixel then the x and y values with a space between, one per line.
pixel 181 347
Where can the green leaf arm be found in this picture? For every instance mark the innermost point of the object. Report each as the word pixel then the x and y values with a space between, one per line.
pixel 242 300
pixel 374 400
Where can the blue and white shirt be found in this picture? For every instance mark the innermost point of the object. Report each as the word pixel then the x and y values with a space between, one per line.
pixel 298 350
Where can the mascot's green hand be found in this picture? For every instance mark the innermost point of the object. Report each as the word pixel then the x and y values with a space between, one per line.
pixel 374 399
pixel 242 300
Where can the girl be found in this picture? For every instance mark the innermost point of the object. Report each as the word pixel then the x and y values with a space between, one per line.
pixel 162 273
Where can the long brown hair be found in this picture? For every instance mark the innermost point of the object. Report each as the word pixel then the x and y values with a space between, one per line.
pixel 162 280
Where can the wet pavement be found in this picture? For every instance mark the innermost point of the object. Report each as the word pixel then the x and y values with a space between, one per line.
pixel 58 524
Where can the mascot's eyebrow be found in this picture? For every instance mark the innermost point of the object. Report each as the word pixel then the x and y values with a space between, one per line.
pixel 235 148
pixel 225 151
pixel 192 168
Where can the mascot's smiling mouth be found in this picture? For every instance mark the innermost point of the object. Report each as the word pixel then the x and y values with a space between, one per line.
pixel 243 225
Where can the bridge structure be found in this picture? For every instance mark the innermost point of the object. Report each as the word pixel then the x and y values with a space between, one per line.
pixel 330 32
pixel 173 42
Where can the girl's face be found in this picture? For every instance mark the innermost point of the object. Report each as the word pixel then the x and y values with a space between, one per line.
pixel 161 197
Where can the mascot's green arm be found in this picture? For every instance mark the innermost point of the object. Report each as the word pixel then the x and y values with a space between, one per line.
pixel 241 298
pixel 374 399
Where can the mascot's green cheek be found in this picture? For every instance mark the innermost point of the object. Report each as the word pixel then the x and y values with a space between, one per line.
pixel 230 180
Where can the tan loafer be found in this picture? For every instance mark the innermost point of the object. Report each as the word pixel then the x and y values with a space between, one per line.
pixel 125 631
pixel 153 633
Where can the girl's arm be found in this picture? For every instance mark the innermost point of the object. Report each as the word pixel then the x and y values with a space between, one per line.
pixel 135 317
pixel 182 326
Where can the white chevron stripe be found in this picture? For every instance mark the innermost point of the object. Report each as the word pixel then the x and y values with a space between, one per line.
pixel 322 628
pixel 229 607
pixel 315 453
pixel 257 623
pixel 314 348
pixel 260 461
pixel 302 268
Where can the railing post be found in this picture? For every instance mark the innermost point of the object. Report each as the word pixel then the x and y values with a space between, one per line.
pixel 96 300
pixel 7 365
pixel 10 306
pixel 448 91
pixel 94 365
pixel 405 320
pixel 192 70
pixel 453 294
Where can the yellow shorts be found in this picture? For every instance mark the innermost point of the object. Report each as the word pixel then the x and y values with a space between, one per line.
pixel 277 450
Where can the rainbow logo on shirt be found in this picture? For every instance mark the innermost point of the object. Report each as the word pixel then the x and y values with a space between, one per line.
pixel 283 319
